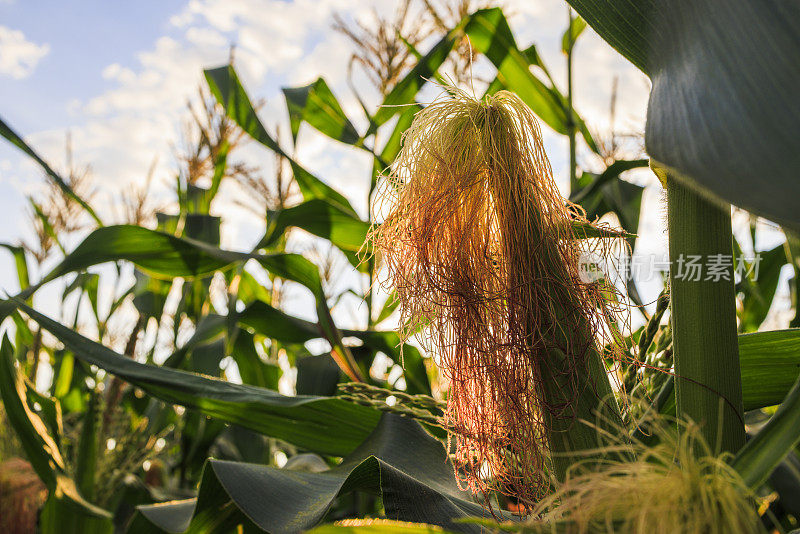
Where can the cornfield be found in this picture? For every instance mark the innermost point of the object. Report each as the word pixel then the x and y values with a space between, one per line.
pixel 506 374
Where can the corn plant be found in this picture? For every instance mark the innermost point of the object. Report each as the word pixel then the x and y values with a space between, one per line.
pixel 535 424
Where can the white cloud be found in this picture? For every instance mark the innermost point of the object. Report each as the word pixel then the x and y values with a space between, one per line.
pixel 18 56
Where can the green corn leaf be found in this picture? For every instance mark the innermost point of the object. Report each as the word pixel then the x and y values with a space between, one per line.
pixel 40 449
pixel 65 510
pixel 757 459
pixel 88 445
pixel 770 365
pixel 389 307
pixel 167 256
pixel 320 424
pixel 320 218
pixel 399 460
pixel 316 375
pixel 759 292
pixel 730 133
pixel 229 92
pixel 21 264
pixel 158 254
pixel 16 140
pixel 273 323
pixel 611 173
pixel 252 369
pixel 65 513
pixel 576 27
pixel 394 142
pixel 316 105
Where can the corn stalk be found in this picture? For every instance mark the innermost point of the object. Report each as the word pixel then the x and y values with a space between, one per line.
pixel 708 383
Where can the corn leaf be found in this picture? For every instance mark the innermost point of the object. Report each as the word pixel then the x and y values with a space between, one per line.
pixel 732 132
pixel 399 460
pixel 316 105
pixel 229 92
pixel 320 218
pixel 770 364
pixel 321 424
pixel 45 456
pixel 16 140
pixel 759 457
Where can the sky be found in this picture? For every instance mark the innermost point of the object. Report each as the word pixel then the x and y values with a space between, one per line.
pixel 117 76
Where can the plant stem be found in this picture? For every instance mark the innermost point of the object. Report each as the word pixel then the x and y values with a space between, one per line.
pixel 371 265
pixel 708 382
pixel 571 126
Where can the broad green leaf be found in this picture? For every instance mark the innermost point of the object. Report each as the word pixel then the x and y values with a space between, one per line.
pixel 576 27
pixel 770 363
pixel 252 369
pixel 723 112
pixel 250 289
pixel 320 218
pixel 66 513
pixel 202 227
pixel 316 105
pixel 166 256
pixel 489 32
pixel 16 140
pixel 149 295
pixel 389 307
pixel 21 264
pixel 275 324
pixel 400 461
pixel 317 375
pixel 756 460
pixel 622 198
pixel 407 356
pixel 64 374
pixel 624 25
pixel 212 512
pixel 159 254
pixel 611 173
pixel 229 92
pixel 321 424
pixel 395 140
